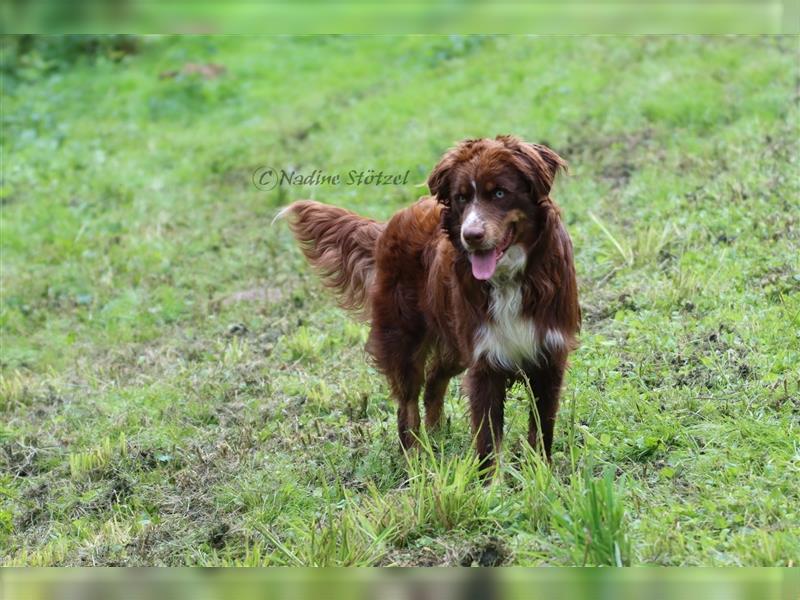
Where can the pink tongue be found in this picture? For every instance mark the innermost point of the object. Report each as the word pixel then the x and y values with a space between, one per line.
pixel 483 264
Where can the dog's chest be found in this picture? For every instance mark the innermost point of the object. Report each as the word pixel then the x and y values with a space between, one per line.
pixel 510 339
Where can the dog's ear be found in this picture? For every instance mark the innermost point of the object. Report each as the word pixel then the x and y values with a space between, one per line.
pixel 439 179
pixel 538 163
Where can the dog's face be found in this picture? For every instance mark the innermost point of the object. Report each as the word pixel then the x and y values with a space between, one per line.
pixel 493 191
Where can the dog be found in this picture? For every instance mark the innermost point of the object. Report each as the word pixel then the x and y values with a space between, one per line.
pixel 478 276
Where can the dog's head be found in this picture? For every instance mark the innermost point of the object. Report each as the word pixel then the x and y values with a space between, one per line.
pixel 493 192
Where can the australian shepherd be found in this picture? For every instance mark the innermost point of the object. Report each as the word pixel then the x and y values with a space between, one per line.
pixel 479 276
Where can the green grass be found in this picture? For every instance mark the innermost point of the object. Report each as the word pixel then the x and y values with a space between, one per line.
pixel 177 389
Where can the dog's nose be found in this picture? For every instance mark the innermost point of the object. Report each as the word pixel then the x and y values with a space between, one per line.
pixel 473 234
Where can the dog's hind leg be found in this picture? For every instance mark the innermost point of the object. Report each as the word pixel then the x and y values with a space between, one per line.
pixel 406 384
pixel 402 360
pixel 440 373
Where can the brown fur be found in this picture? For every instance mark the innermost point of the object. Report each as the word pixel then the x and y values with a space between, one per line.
pixel 340 245
pixel 412 278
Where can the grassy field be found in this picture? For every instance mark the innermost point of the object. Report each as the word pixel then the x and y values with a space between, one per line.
pixel 177 388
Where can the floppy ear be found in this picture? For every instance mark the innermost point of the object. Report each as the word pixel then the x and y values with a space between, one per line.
pixel 538 163
pixel 439 179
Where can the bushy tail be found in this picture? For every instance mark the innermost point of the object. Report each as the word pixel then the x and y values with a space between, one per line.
pixel 340 245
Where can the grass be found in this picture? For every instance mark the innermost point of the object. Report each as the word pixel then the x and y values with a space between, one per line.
pixel 177 389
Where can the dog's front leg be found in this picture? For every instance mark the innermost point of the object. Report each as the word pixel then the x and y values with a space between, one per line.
pixel 486 388
pixel 545 382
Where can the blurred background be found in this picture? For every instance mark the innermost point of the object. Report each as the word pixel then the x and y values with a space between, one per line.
pixel 415 584
pixel 454 16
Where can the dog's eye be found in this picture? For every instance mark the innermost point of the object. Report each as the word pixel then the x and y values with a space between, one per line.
pixel 461 198
pixel 498 193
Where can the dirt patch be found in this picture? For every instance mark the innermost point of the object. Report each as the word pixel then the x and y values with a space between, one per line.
pixel 204 70
pixel 301 134
pixel 600 307
pixel 618 174
pixel 688 367
pixel 613 154
pixel 19 459
pixel 36 498
pixel 218 535
pixel 778 281
pixel 117 489
pixel 491 553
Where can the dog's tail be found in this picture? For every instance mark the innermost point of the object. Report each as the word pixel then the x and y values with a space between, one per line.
pixel 340 245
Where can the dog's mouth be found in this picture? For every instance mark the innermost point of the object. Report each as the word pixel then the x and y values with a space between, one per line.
pixel 484 262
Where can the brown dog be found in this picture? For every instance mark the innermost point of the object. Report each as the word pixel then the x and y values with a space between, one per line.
pixel 479 277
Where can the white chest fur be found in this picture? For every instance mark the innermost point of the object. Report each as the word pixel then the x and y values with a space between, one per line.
pixel 509 339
